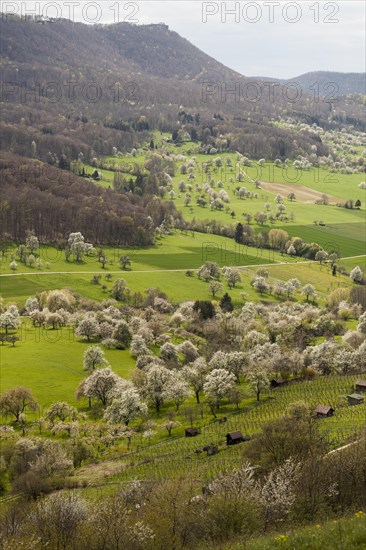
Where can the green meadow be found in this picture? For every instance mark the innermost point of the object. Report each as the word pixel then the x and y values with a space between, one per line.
pixel 344 229
pixel 345 532
pixel 178 286
pixel 51 363
pixel 176 251
pixel 347 239
pixel 160 266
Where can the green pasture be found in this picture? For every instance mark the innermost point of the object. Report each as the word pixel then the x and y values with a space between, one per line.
pixel 318 275
pixel 178 286
pixel 298 212
pixel 176 251
pixel 337 184
pixel 347 239
pixel 50 362
pixel 347 225
pixel 350 263
pixel 164 266
pixel 342 186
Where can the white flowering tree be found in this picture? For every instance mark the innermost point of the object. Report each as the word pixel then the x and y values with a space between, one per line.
pixel 356 274
pixel 277 495
pixel 78 247
pixel 218 385
pixel 99 384
pixel 58 517
pixel 60 410
pixel 260 284
pixel 9 320
pixel 87 328
pixel 126 408
pixel 94 358
pixel 177 390
pixel 138 346
pixel 169 353
pixel 158 379
pixel 232 276
pixel 258 380
pixel 195 373
pixel 309 291
pixel 189 350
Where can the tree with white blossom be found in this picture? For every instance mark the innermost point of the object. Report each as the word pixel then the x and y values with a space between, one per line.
pixel 157 380
pixel 99 384
pixel 258 380
pixel 94 358
pixel 138 346
pixel 177 390
pixel 195 373
pixel 126 408
pixel 356 274
pixel 218 384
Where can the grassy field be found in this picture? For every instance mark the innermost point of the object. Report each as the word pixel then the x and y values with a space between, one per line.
pixel 51 363
pixel 318 275
pixel 345 239
pixel 344 229
pixel 176 285
pixel 304 213
pixel 161 266
pixel 350 263
pixel 344 533
pixel 176 251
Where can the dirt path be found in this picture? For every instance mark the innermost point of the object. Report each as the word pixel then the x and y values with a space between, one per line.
pixel 310 262
pixel 138 271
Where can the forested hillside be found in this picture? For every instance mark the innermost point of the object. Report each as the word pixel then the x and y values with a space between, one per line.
pixel 91 88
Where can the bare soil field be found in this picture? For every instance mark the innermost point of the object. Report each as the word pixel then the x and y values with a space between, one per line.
pixel 303 194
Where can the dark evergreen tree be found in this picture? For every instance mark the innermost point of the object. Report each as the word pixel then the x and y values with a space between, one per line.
pixel 205 309
pixel 63 163
pixel 194 134
pixel 226 303
pixel 239 233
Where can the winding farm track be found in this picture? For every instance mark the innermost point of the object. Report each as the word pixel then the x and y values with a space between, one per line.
pixel 160 270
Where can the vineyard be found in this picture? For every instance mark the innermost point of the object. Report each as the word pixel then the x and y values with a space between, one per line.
pixel 178 456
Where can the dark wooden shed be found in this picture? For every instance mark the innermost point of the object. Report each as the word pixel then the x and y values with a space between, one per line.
pixel 192 432
pixel 324 411
pixel 233 438
pixel 277 382
pixel 355 399
pixel 211 449
pixel 361 386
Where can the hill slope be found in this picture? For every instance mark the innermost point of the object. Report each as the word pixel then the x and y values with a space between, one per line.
pixel 71 87
pixel 345 83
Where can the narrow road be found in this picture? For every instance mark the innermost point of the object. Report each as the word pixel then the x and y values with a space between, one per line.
pixel 310 262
